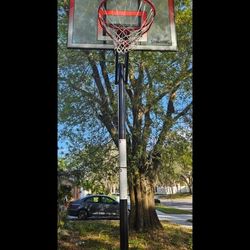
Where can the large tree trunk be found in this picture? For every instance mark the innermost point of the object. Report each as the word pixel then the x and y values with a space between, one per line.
pixel 132 213
pixel 190 188
pixel 172 190
pixel 177 187
pixel 188 182
pixel 143 215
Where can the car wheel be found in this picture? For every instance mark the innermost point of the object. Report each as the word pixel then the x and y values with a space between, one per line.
pixel 82 215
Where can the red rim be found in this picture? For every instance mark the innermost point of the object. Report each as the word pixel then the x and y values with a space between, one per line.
pixel 127 29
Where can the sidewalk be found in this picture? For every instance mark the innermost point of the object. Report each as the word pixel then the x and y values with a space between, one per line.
pixel 180 219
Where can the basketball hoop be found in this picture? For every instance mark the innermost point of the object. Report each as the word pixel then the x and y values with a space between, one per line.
pixel 125 26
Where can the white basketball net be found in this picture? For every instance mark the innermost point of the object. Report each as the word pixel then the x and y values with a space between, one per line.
pixel 125 21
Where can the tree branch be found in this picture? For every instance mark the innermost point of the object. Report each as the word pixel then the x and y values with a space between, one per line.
pixel 166 127
pixel 87 94
pixel 97 78
pixel 169 91
pixel 183 112
pixel 146 130
pixel 111 129
pixel 106 78
pixel 107 117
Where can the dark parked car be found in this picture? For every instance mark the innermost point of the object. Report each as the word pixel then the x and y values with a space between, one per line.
pixel 94 206
pixel 157 201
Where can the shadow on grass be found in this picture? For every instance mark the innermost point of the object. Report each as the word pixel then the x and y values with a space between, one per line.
pixel 99 244
pixel 89 244
pixel 178 237
pixel 90 232
pixel 96 225
pixel 105 235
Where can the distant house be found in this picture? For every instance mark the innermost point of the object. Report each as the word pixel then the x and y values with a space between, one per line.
pixel 63 179
pixel 171 190
pixel 77 192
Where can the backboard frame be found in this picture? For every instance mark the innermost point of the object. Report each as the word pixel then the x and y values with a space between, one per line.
pixel 103 45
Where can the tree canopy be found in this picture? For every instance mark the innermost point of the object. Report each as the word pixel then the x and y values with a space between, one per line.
pixel 159 102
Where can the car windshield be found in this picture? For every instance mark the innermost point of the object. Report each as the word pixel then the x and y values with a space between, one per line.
pixel 76 202
pixel 93 199
pixel 107 200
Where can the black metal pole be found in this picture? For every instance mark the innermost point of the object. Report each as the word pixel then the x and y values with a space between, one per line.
pixel 116 68
pixel 121 102
pixel 123 161
pixel 126 67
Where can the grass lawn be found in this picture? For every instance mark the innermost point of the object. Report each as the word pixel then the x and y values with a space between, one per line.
pixel 105 235
pixel 172 210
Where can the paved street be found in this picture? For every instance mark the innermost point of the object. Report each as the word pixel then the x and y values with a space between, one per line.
pixel 185 204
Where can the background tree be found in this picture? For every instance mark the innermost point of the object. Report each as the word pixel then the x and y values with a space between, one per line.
pixel 177 161
pixel 159 100
pixel 94 168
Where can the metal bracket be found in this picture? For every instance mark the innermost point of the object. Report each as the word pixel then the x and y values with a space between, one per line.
pixel 118 70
